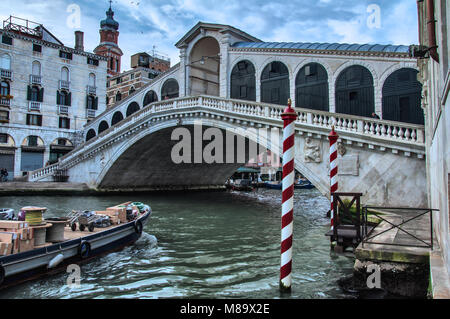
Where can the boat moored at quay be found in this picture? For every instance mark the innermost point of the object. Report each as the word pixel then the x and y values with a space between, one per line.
pixel 30 250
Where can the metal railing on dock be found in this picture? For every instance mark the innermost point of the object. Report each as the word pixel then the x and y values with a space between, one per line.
pixel 401 213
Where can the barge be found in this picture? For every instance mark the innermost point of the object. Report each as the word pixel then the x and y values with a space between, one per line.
pixel 29 256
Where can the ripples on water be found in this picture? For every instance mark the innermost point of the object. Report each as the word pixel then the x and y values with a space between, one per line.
pixel 202 245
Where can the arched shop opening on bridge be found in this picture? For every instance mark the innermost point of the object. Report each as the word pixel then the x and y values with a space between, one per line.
pixel 132 108
pixel 311 88
pixel 355 92
pixel 117 117
pixel 150 97
pixel 90 134
pixel 275 83
pixel 59 148
pixel 204 67
pixel 243 81
pixel 170 89
pixel 402 95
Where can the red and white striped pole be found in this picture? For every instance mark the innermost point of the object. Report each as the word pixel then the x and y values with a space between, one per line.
pixel 333 137
pixel 287 211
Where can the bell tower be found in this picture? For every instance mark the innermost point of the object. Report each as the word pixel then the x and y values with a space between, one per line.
pixel 109 39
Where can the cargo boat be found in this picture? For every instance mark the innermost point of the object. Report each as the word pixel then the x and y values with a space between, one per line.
pixel 78 247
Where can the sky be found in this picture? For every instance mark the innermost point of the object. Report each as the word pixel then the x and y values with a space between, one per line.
pixel 161 23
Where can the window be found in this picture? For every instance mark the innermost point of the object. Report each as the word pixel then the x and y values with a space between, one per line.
pixel 63 98
pixel 34 119
pixel 34 94
pixel 32 140
pixel 4 90
pixel 3 138
pixel 118 97
pixel 92 79
pixel 132 76
pixel 91 103
pixel 65 74
pixel 4 116
pixel 92 61
pixel 132 90
pixel 111 64
pixel 64 122
pixel 37 48
pixel 5 62
pixel 36 68
pixel 6 40
pixel 65 55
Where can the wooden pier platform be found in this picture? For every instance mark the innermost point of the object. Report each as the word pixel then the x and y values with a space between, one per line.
pixel 395 245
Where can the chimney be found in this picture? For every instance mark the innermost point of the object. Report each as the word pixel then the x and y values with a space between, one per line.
pixel 79 39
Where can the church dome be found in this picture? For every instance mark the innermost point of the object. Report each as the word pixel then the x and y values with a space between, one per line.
pixel 109 21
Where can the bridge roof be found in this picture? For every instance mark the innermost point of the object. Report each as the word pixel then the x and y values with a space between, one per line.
pixel 324 46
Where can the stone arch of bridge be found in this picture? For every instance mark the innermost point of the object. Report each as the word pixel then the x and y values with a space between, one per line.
pixel 148 149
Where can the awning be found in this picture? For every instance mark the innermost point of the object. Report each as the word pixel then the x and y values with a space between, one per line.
pixel 247 170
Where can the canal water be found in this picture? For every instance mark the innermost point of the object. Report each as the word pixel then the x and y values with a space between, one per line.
pixel 201 245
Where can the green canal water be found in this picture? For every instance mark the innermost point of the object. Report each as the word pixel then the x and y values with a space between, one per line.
pixel 201 245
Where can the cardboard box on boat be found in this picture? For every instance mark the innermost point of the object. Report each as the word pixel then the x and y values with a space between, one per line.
pixel 5 249
pixel 120 212
pixel 10 224
pixel 26 245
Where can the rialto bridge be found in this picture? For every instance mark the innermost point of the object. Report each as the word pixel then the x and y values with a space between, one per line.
pixel 231 81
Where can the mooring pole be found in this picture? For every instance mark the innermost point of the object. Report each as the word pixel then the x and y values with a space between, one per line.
pixel 287 211
pixel 333 137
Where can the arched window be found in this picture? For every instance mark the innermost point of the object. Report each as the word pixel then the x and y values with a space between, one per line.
pixel 132 108
pixel 118 97
pixel 243 81
pixel 103 127
pixel 355 92
pixel 275 84
pixel 65 74
pixel 64 98
pixel 92 79
pixel 131 91
pixel 311 87
pixel 4 89
pixel 150 97
pixel 90 134
pixel 90 104
pixel 35 94
pixel 36 68
pixel 402 97
pixel 170 89
pixel 117 117
pixel 5 62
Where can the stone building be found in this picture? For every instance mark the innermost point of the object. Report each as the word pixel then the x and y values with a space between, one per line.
pixel 48 93
pixel 434 68
pixel 145 67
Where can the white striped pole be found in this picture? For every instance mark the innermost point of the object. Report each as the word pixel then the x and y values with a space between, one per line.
pixel 287 211
pixel 333 137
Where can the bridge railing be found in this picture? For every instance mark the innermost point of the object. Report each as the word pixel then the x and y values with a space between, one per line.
pixel 42 172
pixel 380 129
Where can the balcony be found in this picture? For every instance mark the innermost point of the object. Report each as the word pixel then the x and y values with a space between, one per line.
pixel 63 110
pixel 34 106
pixel 35 79
pixel 91 90
pixel 64 85
pixel 6 74
pixel 90 113
pixel 5 102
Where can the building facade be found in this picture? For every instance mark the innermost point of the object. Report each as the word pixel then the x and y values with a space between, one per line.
pixel 48 93
pixel 145 68
pixel 434 68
